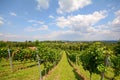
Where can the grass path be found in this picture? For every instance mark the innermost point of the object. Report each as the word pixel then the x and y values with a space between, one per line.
pixel 63 71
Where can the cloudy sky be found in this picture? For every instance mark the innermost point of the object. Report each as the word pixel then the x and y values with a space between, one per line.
pixel 77 20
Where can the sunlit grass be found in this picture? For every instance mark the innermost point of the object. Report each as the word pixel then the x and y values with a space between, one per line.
pixel 63 71
pixel 109 73
pixel 27 73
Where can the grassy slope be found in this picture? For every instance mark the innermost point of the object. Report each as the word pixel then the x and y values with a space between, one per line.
pixel 63 71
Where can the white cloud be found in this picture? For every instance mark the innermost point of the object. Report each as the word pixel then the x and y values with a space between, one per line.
pixel 62 22
pixel 72 5
pixel 41 28
pixel 9 35
pixel 94 34
pixel 80 22
pixel 56 35
pixel 14 37
pixel 1 18
pixel 108 31
pixel 50 16
pixel 76 35
pixel 42 4
pixel 1 21
pixel 1 34
pixel 35 21
pixel 31 21
pixel 13 14
pixel 83 27
pixel 115 24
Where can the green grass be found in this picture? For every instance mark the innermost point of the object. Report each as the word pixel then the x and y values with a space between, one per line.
pixel 27 73
pixel 63 71
pixel 86 73
pixel 109 73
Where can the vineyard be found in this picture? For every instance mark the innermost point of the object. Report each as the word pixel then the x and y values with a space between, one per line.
pixel 57 60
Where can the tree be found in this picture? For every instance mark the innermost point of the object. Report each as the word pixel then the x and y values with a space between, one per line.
pixel 37 42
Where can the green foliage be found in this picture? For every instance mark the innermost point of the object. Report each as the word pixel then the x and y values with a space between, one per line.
pixel 37 42
pixel 101 68
pixel 92 58
pixel 116 64
pixel 96 58
pixel 115 59
pixel 117 48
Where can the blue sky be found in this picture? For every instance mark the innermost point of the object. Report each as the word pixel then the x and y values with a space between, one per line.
pixel 77 20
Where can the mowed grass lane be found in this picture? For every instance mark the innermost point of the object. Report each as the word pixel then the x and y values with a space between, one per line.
pixel 63 71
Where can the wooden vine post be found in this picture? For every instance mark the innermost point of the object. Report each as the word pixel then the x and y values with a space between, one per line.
pixel 39 64
pixel 10 58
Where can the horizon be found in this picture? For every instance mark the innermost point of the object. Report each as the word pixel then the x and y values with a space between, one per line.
pixel 65 41
pixel 59 20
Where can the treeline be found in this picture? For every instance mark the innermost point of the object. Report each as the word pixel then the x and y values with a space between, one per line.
pixel 16 44
pixel 60 44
